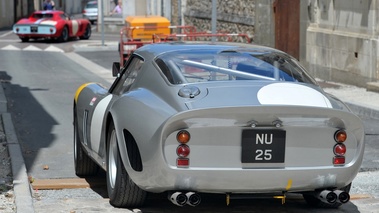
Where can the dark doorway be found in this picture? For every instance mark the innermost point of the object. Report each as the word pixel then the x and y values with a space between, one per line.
pixel 287 26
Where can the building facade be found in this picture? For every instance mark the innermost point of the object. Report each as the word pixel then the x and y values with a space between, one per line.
pixel 342 40
pixel 336 40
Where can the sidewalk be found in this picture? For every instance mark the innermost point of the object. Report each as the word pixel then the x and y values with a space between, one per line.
pixel 360 101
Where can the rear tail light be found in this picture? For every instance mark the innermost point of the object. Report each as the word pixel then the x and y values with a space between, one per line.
pixel 339 160
pixel 183 150
pixel 340 136
pixel 183 136
pixel 182 162
pixel 339 149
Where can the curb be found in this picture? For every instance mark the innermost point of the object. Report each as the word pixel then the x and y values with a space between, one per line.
pixel 21 186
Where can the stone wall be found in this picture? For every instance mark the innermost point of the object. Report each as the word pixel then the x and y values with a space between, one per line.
pixel 232 16
pixel 342 41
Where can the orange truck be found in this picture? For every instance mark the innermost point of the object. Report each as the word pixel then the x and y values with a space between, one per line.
pixel 141 30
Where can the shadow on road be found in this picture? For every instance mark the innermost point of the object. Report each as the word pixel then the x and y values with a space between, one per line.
pixel 31 138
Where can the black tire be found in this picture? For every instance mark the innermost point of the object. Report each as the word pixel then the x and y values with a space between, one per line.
pixel 87 33
pixel 315 202
pixel 24 39
pixel 64 35
pixel 122 191
pixel 84 165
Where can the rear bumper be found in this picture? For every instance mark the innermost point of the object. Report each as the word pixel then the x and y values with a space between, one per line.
pixel 37 35
pixel 246 180
pixel 40 31
pixel 90 17
pixel 215 158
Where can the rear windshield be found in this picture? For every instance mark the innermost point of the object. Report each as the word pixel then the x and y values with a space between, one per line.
pixel 41 15
pixel 194 66
pixel 91 5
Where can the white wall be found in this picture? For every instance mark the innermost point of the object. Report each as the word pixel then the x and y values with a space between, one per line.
pixel 342 40
pixel 6 13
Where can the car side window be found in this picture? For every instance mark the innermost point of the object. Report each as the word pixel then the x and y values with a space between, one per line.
pixel 129 76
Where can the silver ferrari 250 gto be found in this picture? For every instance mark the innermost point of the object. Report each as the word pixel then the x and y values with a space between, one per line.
pixel 189 118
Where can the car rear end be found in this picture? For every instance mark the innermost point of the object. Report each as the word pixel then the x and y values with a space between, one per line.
pixel 35 30
pixel 38 25
pixel 261 149
pixel 90 11
pixel 256 123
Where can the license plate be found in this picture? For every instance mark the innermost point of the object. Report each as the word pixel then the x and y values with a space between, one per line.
pixel 263 146
pixel 34 29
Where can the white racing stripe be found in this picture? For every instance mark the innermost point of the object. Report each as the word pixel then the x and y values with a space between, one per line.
pixel 292 94
pixel 97 121
pixel 75 27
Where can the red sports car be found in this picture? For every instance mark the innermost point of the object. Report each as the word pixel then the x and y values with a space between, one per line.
pixel 52 24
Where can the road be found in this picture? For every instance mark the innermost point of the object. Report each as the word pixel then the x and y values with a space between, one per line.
pixel 40 79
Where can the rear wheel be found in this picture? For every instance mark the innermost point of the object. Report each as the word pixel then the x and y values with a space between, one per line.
pixel 87 33
pixel 84 165
pixel 64 35
pixel 24 39
pixel 122 191
pixel 315 202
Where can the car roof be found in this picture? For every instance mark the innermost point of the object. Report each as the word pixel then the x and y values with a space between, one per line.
pixel 49 12
pixel 156 49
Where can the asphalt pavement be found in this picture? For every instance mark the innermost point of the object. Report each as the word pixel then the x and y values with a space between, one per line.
pixel 362 102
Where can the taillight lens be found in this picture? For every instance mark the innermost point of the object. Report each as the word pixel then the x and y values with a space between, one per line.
pixel 183 151
pixel 340 136
pixel 183 136
pixel 339 149
pixel 182 162
pixel 339 160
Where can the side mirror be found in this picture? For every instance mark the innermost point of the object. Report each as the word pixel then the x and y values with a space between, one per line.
pixel 115 69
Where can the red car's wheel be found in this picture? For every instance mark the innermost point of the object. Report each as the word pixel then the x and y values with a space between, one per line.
pixel 24 39
pixel 87 33
pixel 64 35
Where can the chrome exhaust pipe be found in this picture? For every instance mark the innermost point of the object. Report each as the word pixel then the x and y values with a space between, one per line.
pixel 327 196
pixel 342 196
pixel 193 199
pixel 178 198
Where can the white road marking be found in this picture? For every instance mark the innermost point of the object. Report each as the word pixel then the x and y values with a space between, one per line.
pixel 5 34
pixel 31 48
pixel 52 48
pixel 106 74
pixel 10 47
